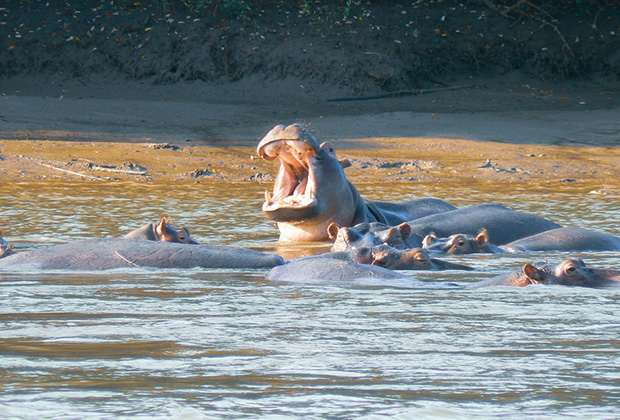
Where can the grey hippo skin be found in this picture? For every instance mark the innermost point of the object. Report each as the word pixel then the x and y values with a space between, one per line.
pixel 103 254
pixel 311 190
pixel 162 231
pixel 461 244
pixel 394 259
pixel 571 272
pixel 317 270
pixel 372 234
pixel 566 239
pixel 562 239
pixel 501 225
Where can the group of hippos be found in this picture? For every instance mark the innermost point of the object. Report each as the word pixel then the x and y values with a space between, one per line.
pixel 312 200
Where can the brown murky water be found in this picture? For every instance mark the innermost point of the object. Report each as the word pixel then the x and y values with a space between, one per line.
pixel 229 344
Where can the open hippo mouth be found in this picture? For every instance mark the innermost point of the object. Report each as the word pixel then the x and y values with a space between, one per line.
pixel 293 196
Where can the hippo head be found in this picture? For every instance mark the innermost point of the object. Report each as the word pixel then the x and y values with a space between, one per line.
pixel 571 272
pixel 310 190
pixel 367 235
pixel 166 233
pixel 410 259
pixel 5 247
pixel 456 244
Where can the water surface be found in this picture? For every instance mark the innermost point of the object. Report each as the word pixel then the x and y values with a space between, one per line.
pixel 199 343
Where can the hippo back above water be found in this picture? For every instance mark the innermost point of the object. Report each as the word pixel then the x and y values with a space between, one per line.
pixel 502 224
pixel 561 239
pixel 311 190
pixel 334 271
pixel 105 254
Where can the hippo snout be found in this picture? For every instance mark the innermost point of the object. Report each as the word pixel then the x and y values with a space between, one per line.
pixel 293 139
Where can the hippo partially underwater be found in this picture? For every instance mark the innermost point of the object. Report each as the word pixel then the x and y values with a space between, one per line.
pixel 346 273
pixel 561 239
pixel 311 190
pixel 162 231
pixel 571 272
pixel 394 259
pixel 155 246
pixel 109 253
pixel 502 226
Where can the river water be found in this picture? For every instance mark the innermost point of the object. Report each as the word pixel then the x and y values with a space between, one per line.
pixel 193 344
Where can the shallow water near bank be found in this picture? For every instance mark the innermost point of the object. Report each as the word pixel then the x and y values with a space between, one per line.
pixel 230 344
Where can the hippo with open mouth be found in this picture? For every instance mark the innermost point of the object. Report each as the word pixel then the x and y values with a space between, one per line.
pixel 311 190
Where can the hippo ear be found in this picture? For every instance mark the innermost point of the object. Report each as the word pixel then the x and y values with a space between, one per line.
pixel 533 274
pixel 345 163
pixel 392 234
pixel 429 240
pixel 332 230
pixel 160 228
pixel 482 238
pixel 405 230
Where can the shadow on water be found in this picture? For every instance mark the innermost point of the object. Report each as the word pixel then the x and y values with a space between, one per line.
pixel 229 344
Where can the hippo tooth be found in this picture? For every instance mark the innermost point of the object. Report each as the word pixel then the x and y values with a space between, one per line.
pixel 267 196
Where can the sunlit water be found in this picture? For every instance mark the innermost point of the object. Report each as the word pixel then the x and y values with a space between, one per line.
pixel 191 344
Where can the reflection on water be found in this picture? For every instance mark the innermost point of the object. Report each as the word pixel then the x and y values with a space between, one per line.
pixel 229 344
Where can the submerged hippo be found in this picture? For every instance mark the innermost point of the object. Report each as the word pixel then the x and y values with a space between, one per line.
pixel 502 226
pixel 104 254
pixel 566 239
pixel 162 231
pixel 311 190
pixel 561 239
pixel 571 272
pixel 344 272
pixel 394 259
pixel 461 244
pixel 371 234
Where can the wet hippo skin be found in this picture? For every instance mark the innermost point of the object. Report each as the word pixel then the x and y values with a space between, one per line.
pixel 571 272
pixel 318 270
pixel 162 231
pixel 311 190
pixel 103 254
pixel 562 239
pixel 501 225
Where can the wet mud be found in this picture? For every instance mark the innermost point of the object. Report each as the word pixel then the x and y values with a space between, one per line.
pixel 421 160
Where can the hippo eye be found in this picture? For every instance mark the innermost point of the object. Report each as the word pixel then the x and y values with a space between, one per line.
pixel 461 242
pixel 571 269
